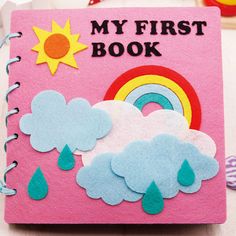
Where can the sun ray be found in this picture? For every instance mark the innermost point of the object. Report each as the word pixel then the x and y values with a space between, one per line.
pixel 41 34
pixel 67 27
pixel 41 58
pixel 56 28
pixel 75 37
pixel 53 65
pixel 70 59
pixel 37 47
pixel 58 46
pixel 79 47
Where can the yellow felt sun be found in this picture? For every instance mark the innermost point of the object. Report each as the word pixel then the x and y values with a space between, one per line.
pixel 58 46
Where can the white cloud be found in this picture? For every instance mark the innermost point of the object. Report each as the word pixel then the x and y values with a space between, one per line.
pixel 130 125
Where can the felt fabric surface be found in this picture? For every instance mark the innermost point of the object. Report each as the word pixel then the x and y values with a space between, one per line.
pixel 156 89
pixel 66 160
pixel 53 123
pixel 226 10
pixel 186 176
pixel 153 97
pixel 57 46
pixel 152 201
pixel 227 2
pixel 165 160
pixel 160 160
pixel 100 182
pixel 143 76
pixel 197 58
pixel 130 125
pixel 38 187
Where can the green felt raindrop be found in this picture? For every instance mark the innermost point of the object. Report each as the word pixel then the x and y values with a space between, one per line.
pixel 186 176
pixel 152 201
pixel 66 160
pixel 38 187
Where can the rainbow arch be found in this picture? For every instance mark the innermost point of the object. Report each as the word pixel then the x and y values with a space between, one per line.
pixel 156 84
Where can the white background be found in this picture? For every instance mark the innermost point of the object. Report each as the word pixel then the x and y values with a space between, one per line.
pixel 229 76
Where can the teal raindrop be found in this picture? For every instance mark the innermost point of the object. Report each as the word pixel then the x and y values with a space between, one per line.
pixel 66 160
pixel 152 201
pixel 38 187
pixel 186 176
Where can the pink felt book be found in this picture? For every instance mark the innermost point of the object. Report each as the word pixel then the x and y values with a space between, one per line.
pixel 119 117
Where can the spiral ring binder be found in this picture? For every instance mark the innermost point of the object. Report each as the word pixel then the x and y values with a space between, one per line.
pixel 9 36
pixel 12 88
pixel 10 113
pixel 11 61
pixel 3 186
pixel 9 139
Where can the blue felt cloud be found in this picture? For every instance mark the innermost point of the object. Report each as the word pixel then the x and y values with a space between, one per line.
pixel 53 123
pixel 160 160
pixel 100 182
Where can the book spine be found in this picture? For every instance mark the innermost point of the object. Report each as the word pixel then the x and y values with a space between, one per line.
pixel 3 185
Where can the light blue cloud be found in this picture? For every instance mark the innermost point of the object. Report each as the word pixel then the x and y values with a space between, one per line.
pixel 100 182
pixel 160 160
pixel 53 123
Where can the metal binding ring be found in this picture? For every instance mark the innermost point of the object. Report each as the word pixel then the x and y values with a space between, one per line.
pixel 9 139
pixel 10 113
pixel 9 36
pixel 12 88
pixel 11 61
pixel 3 186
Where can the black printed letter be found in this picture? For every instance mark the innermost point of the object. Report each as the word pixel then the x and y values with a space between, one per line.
pixel 140 25
pixel 99 28
pixel 199 24
pixel 150 49
pixel 168 25
pixel 98 50
pixel 131 50
pixel 119 26
pixel 120 49
pixel 184 27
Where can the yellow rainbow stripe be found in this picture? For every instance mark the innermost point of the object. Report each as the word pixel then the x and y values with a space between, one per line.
pixel 227 2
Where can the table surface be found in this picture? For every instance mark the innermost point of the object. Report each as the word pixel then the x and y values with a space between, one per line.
pixel 227 229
